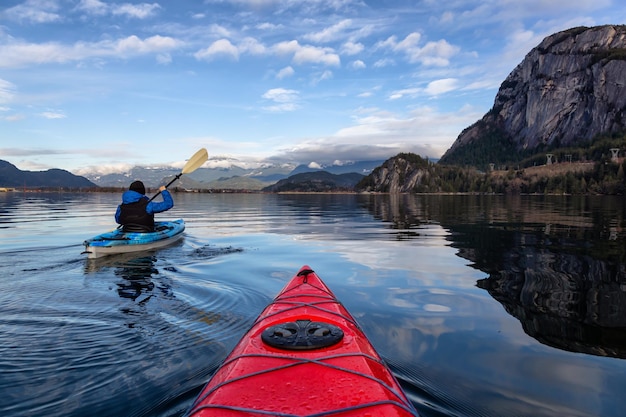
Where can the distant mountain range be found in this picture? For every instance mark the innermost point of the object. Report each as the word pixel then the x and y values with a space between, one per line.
pixel 321 181
pixel 232 178
pixel 11 176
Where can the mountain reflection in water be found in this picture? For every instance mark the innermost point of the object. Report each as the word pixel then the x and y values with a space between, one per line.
pixel 567 301
pixel 557 264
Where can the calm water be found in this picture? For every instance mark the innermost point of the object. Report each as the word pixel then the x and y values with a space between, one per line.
pixel 482 306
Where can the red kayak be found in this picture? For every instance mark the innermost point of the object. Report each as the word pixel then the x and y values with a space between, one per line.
pixel 305 355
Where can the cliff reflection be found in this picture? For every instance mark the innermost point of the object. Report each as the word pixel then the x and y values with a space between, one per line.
pixel 556 264
pixel 580 308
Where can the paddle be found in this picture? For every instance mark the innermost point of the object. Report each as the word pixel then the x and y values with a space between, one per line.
pixel 192 164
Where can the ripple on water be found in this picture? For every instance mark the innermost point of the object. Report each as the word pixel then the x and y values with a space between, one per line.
pixel 84 333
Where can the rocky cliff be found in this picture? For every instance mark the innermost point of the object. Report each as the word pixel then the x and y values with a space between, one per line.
pixel 403 173
pixel 568 89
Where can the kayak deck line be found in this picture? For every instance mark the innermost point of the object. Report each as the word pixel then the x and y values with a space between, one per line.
pixel 303 361
pixel 322 365
pixel 248 411
pixel 159 228
pixel 105 239
pixel 294 305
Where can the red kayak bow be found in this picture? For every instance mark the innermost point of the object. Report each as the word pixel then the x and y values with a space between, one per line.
pixel 305 355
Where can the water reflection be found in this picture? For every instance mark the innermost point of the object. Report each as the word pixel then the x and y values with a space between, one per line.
pixel 556 265
pixel 139 280
pixel 136 274
pixel 566 301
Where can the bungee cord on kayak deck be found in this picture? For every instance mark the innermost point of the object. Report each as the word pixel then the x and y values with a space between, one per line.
pixel 342 375
pixel 321 362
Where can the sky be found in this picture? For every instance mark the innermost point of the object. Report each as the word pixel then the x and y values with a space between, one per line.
pixel 92 85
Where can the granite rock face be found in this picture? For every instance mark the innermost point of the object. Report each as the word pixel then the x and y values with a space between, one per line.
pixel 568 89
pixel 404 173
pixel 398 176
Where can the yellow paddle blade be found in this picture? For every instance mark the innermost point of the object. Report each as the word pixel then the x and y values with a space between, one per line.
pixel 195 161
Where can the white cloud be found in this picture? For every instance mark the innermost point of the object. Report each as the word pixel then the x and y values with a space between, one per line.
pixel 385 62
pixel 53 115
pixel 19 54
pixel 221 47
pixel 351 48
pixel 432 54
pixel 515 9
pixel 14 117
pixel 282 6
pixel 310 54
pixel 34 11
pixel 100 8
pixel 285 72
pixel 405 92
pixel 139 11
pixel 133 45
pixel 409 43
pixel 329 34
pixel 164 58
pixel 281 95
pixel 324 75
pixel 104 169
pixel 224 47
pixel 442 86
pixel 520 42
pixel 434 88
pixel 358 64
pixel 303 54
pixel 93 7
pixel 251 46
pixel 379 134
pixel 7 91
pixel 268 26
pixel 284 99
pixel 446 17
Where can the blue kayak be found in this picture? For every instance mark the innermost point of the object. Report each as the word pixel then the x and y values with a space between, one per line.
pixel 118 241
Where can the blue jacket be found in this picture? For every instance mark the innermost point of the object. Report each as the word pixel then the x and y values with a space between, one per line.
pixel 152 207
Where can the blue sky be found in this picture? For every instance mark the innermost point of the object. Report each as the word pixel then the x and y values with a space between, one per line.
pixel 90 84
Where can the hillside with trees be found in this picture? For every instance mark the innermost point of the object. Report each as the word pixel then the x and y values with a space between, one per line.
pixel 12 177
pixel 409 173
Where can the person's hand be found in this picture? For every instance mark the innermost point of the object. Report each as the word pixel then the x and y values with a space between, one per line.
pixel 162 188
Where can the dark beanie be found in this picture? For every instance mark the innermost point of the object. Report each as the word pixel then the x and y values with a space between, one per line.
pixel 138 187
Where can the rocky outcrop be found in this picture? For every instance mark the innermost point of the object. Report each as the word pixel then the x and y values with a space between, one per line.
pixel 568 89
pixel 403 173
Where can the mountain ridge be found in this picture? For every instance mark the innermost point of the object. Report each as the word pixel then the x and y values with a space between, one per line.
pixel 567 90
pixel 318 181
pixel 11 176
pixel 224 176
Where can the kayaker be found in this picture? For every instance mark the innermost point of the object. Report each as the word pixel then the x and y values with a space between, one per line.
pixel 136 213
